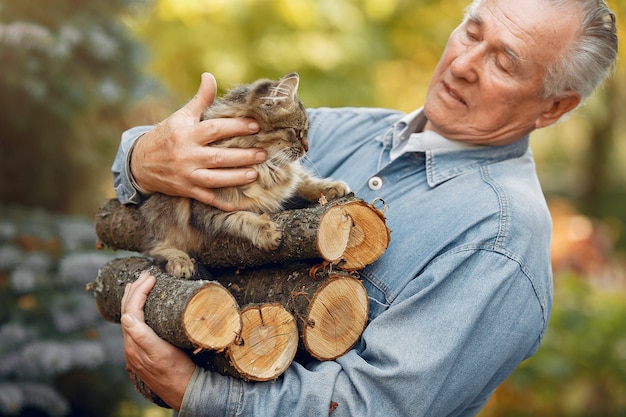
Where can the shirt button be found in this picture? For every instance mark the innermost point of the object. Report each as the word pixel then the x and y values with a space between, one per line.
pixel 375 183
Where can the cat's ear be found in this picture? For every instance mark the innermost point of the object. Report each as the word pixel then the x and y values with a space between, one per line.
pixel 288 86
pixel 285 91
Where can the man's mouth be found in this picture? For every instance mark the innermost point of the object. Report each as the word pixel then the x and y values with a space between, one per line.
pixel 454 94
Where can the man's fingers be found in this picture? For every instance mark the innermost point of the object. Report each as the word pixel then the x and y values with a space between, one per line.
pixel 219 178
pixel 204 97
pixel 211 157
pixel 142 337
pixel 135 295
pixel 130 326
pixel 132 320
pixel 216 129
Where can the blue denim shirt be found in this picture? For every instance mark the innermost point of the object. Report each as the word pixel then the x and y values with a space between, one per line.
pixel 461 296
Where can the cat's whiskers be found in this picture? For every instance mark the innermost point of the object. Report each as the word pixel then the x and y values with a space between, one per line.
pixel 274 98
pixel 281 158
pixel 310 164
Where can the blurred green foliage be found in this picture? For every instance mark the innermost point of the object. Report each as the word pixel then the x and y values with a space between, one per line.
pixel 348 52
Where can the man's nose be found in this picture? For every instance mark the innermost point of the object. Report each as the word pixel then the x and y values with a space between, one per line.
pixel 467 65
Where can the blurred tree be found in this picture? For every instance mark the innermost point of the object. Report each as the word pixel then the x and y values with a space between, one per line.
pixel 603 160
pixel 68 73
pixel 348 52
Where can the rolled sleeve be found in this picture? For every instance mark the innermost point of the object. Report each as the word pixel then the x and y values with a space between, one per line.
pixel 126 189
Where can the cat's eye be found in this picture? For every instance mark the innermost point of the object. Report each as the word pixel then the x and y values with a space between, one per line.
pixel 299 133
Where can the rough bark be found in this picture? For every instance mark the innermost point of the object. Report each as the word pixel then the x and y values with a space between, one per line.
pixel 298 306
pixel 330 307
pixel 188 314
pixel 334 231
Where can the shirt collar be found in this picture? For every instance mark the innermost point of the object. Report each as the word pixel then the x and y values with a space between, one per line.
pixel 409 136
pixel 446 158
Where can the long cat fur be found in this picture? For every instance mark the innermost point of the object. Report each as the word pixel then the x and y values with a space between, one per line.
pixel 178 227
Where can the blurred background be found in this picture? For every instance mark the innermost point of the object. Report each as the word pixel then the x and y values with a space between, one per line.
pixel 74 75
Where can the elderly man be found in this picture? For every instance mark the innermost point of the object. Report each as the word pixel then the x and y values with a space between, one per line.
pixel 463 294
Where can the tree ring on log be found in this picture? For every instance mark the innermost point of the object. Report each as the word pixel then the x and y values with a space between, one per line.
pixel 269 342
pixel 336 318
pixel 368 240
pixel 357 236
pixel 211 310
pixel 333 233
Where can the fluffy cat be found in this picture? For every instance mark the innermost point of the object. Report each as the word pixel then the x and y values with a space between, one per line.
pixel 177 227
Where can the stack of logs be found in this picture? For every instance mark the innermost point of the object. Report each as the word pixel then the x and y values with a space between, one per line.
pixel 249 312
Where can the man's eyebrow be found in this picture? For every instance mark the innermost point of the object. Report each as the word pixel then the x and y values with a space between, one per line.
pixel 473 17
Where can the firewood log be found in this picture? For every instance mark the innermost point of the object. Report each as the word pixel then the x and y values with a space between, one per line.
pixel 266 346
pixel 331 307
pixel 346 232
pixel 188 314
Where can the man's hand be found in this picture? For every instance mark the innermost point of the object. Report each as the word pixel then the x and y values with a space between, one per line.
pixel 173 158
pixel 160 365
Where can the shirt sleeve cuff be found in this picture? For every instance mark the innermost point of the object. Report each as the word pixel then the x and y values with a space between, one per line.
pixel 126 189
pixel 131 179
pixel 211 394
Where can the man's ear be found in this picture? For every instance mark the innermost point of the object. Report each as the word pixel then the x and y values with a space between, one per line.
pixel 557 107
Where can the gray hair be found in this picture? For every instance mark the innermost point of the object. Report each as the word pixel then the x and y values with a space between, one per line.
pixel 590 58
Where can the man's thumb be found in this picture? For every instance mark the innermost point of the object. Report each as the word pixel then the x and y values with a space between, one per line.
pixel 128 321
pixel 205 95
pixel 137 330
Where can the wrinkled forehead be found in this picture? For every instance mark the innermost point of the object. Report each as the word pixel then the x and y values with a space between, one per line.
pixel 542 12
pixel 542 29
pixel 541 8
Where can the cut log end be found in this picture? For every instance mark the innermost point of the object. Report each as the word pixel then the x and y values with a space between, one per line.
pixel 268 343
pixel 369 237
pixel 211 318
pixel 334 233
pixel 336 318
pixel 352 235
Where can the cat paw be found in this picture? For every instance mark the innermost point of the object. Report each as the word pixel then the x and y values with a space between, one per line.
pixel 336 189
pixel 180 267
pixel 269 235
